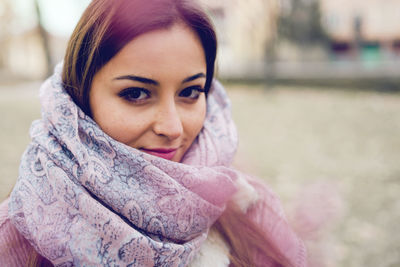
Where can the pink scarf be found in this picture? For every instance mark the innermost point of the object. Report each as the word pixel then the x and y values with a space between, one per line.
pixel 84 199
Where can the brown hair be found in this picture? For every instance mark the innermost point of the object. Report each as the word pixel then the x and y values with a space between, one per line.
pixel 37 260
pixel 247 241
pixel 107 26
pixel 103 30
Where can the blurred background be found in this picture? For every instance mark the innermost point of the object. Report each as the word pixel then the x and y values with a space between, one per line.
pixel 315 92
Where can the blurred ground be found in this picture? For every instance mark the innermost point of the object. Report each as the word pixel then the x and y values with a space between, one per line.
pixel 19 104
pixel 291 137
pixel 294 137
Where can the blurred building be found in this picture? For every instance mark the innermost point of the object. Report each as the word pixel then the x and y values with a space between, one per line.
pixel 21 50
pixel 363 35
pixel 373 19
pixel 250 45
pixel 26 50
pixel 245 29
pixel 23 55
pixel 370 26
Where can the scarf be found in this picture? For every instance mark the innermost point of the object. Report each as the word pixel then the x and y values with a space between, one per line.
pixel 85 199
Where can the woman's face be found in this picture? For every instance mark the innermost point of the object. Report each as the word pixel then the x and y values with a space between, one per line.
pixel 150 95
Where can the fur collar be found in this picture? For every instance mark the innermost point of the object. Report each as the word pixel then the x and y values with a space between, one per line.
pixel 214 252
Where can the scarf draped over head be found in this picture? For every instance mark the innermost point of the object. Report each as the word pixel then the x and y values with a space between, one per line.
pixel 84 199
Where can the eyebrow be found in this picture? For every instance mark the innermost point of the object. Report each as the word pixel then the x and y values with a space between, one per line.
pixel 138 79
pixel 153 82
pixel 194 77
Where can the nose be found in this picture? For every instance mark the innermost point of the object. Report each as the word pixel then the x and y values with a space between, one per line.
pixel 168 122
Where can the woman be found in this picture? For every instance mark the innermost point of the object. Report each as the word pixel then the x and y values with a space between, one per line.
pixel 130 163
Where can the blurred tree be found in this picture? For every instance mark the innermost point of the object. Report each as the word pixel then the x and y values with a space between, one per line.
pixel 45 39
pixel 300 22
pixel 270 47
pixel 6 15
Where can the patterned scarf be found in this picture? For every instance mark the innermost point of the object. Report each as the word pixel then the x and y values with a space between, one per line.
pixel 84 199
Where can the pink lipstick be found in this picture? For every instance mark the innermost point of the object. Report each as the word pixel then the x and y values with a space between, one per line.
pixel 165 153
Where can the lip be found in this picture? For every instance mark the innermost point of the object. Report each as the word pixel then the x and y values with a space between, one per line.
pixel 165 153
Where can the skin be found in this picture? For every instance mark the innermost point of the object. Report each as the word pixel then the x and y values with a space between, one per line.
pixel 164 110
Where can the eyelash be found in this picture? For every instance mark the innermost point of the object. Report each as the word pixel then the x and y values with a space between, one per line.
pixel 129 93
pixel 199 90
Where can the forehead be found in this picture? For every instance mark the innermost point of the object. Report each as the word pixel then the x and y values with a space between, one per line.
pixel 174 49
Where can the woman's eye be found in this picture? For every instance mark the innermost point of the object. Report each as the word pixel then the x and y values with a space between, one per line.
pixel 191 92
pixel 134 94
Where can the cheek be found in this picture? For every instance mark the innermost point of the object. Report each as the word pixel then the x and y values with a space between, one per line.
pixel 115 123
pixel 194 121
pixel 113 116
pixel 111 124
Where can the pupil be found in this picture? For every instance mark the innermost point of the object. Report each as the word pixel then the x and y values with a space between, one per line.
pixel 187 92
pixel 135 94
